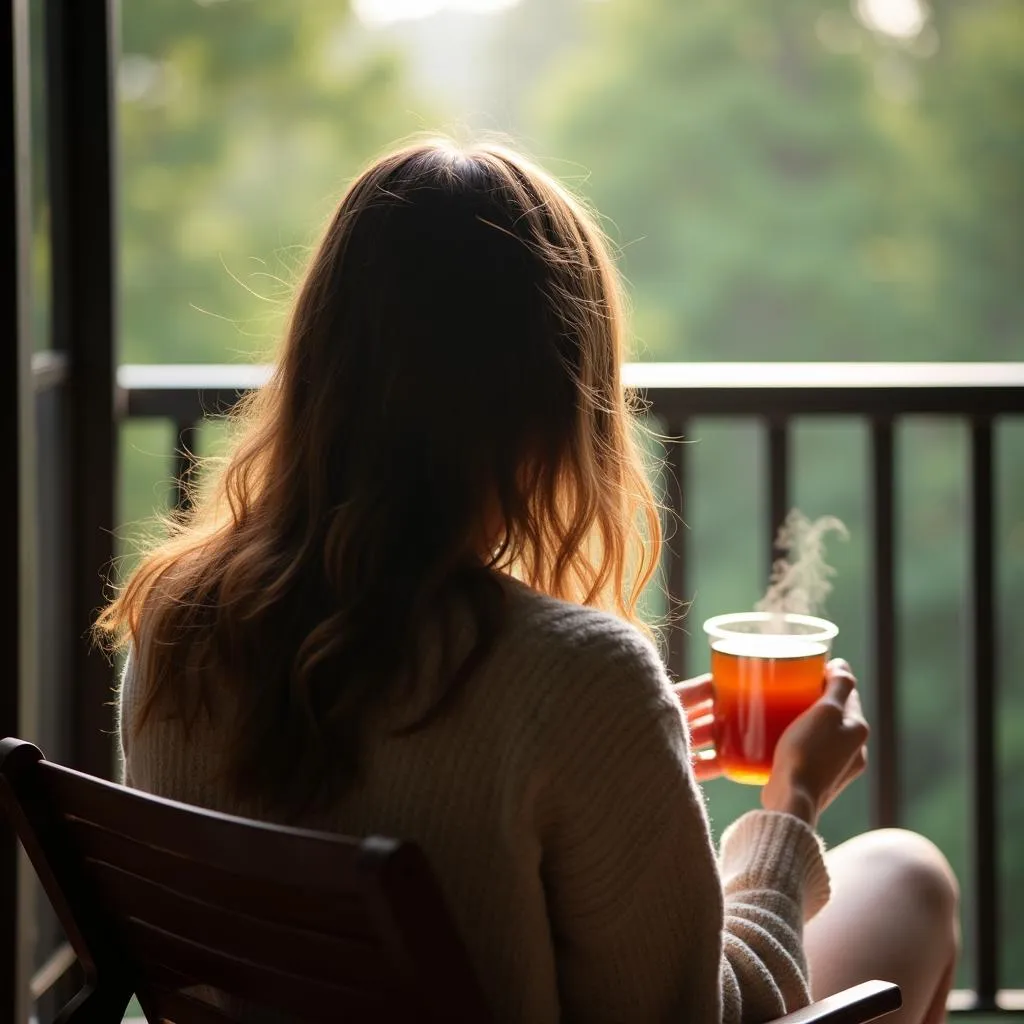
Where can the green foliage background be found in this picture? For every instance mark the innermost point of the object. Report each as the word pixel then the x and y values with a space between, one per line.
pixel 783 182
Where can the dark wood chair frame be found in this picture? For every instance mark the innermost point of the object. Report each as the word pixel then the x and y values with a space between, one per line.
pixel 202 915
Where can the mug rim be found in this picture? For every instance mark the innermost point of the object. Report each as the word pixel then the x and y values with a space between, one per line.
pixel 717 626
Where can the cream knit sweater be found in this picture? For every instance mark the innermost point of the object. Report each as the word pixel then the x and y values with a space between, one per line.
pixel 558 809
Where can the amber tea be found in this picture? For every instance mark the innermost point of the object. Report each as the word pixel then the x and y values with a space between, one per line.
pixel 766 670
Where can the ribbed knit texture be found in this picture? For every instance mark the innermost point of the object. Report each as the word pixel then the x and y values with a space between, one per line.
pixel 556 804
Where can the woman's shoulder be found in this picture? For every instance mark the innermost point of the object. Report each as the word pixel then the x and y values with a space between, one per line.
pixel 578 642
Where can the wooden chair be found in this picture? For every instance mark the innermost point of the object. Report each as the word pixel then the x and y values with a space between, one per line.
pixel 171 902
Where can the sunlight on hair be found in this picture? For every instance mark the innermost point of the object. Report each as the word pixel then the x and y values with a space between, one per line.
pixel 378 13
pixel 903 19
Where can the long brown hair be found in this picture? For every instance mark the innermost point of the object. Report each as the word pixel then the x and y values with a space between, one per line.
pixel 447 407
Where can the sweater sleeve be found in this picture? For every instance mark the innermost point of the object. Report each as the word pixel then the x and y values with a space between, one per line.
pixel 647 926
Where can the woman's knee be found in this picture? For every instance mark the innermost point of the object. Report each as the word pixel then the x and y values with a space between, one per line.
pixel 918 867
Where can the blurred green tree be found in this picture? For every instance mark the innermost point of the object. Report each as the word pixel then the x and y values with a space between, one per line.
pixel 240 125
pixel 972 109
pixel 734 148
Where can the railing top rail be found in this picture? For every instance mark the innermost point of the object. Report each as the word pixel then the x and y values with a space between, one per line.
pixel 824 375
pixel 166 376
pixel 191 376
pixel 676 390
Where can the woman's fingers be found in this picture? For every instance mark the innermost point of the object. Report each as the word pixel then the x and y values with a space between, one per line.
pixel 839 684
pixel 856 730
pixel 706 766
pixel 696 691
pixel 841 690
pixel 698 711
pixel 696 697
pixel 702 731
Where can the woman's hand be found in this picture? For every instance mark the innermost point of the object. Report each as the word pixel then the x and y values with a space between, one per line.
pixel 696 697
pixel 821 752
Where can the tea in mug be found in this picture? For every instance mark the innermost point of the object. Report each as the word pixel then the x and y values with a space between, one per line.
pixel 759 690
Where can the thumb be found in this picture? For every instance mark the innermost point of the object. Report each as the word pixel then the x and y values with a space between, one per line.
pixel 840 685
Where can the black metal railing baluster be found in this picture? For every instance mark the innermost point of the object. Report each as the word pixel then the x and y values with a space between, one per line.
pixel 677 542
pixel 982 646
pixel 187 434
pixel 778 482
pixel 885 778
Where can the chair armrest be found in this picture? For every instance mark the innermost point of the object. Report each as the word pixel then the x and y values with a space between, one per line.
pixel 855 1005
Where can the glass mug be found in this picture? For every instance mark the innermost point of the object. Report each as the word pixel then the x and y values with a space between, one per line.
pixel 762 681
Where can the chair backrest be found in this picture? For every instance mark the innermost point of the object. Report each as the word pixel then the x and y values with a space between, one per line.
pixel 170 901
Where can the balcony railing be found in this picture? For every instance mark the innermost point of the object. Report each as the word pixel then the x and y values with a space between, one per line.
pixel 776 394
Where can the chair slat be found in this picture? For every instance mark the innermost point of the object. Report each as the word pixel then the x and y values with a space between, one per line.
pixel 340 960
pixel 256 851
pixel 297 902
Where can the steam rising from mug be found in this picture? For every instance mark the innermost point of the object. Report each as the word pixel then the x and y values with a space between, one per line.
pixel 800 580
